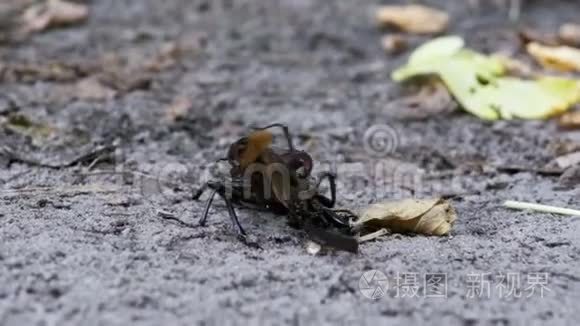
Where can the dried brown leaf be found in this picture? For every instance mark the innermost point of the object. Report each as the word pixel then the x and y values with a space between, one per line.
pixel 529 35
pixel 394 43
pixel 126 81
pixel 171 52
pixel 570 34
pixel 561 58
pixel 178 109
pixel 166 58
pixel 422 216
pixel 515 67
pixel 570 120
pixel 54 13
pixel 84 89
pixel 136 70
pixel 92 89
pixel 570 177
pixel 566 161
pixel 563 146
pixel 413 18
pixel 10 19
pixel 46 71
pixel 432 99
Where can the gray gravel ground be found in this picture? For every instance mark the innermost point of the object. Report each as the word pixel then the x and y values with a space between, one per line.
pixel 80 248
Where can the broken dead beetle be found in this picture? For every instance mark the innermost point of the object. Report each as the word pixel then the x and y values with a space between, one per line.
pixel 279 180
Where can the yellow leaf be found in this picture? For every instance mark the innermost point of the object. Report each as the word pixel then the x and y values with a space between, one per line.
pixel 422 216
pixel 441 47
pixel 561 58
pixel 413 18
pixel 570 120
pixel 477 83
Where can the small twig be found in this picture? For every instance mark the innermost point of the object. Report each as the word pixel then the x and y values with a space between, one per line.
pixel 68 190
pixel 541 208
pixel 90 156
pixel 373 235
pixel 94 162
pixel 517 169
pixel 170 216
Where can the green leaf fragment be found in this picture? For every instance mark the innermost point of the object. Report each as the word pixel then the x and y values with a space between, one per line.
pixel 442 47
pixel 477 83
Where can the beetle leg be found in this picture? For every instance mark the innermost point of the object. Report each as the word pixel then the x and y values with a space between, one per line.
pixel 284 129
pixel 327 202
pixel 346 216
pixel 200 191
pixel 232 214
pixel 220 190
pixel 293 218
pixel 207 206
pixel 334 218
